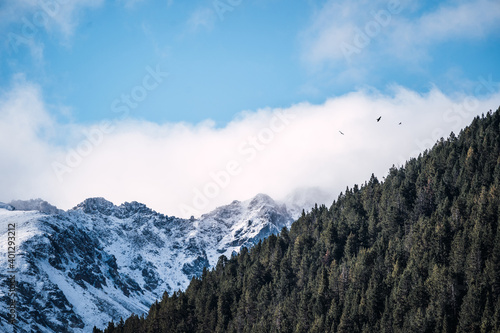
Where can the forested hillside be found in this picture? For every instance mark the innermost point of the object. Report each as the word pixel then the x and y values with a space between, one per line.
pixel 416 252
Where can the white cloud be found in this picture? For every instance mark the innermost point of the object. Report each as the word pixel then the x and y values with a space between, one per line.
pixel 24 124
pixel 407 33
pixel 470 19
pixel 53 15
pixel 23 22
pixel 131 3
pixel 464 21
pixel 67 17
pixel 331 26
pixel 164 165
pixel 202 18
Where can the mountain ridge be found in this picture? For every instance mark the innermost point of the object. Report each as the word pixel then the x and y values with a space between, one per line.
pixel 99 261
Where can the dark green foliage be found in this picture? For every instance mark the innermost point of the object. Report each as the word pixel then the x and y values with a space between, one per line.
pixel 418 252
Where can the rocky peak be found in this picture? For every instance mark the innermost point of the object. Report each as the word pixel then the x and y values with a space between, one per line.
pixel 130 208
pixel 34 204
pixel 261 199
pixel 96 205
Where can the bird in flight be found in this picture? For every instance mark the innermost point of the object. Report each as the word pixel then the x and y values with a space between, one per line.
pixel 341 132
pixel 400 123
pixel 378 119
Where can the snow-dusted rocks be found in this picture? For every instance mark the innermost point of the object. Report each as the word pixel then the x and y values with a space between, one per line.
pixel 6 206
pixel 98 261
pixel 35 204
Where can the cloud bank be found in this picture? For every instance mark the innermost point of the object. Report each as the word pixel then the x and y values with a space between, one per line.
pixel 184 169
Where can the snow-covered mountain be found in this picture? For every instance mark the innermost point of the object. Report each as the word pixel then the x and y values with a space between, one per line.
pixel 98 262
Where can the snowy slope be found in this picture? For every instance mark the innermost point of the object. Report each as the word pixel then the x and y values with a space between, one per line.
pixel 98 262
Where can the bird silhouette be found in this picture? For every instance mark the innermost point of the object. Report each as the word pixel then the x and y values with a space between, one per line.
pixel 400 123
pixel 341 132
pixel 378 119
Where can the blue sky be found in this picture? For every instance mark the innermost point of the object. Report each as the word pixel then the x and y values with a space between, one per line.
pixel 255 54
pixel 218 67
pixel 86 61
